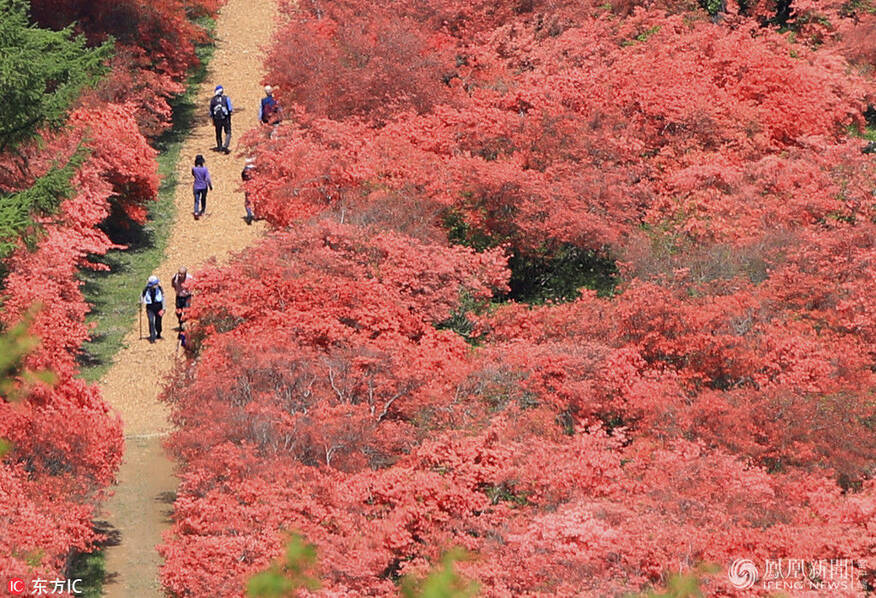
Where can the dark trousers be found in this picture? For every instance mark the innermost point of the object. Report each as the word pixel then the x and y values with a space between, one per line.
pixel 223 125
pixel 154 323
pixel 182 303
pixel 200 201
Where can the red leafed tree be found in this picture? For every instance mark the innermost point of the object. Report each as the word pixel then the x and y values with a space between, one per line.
pixel 717 404
pixel 355 62
pixel 691 128
pixel 343 357
pixel 66 445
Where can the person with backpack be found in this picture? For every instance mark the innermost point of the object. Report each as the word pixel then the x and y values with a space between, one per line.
pixel 180 283
pixel 153 299
pixel 220 112
pixel 200 186
pixel 269 109
pixel 246 175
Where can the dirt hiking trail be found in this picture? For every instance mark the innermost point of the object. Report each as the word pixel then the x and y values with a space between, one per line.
pixel 141 508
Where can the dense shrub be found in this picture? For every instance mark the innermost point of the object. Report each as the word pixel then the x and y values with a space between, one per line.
pixel 717 403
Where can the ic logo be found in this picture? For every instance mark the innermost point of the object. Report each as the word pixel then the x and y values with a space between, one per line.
pixel 16 586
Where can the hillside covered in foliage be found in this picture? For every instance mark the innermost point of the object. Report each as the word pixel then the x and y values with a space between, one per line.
pixel 583 288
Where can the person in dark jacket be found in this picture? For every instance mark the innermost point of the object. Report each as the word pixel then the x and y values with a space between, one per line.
pixel 220 112
pixel 200 186
pixel 269 109
pixel 153 298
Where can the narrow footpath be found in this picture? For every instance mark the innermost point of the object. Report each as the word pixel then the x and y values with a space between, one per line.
pixel 141 508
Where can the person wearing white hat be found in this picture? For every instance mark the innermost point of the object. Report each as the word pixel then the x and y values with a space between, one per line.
pixel 269 109
pixel 220 112
pixel 153 298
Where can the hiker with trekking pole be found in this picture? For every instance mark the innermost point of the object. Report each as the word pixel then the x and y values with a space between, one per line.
pixel 153 298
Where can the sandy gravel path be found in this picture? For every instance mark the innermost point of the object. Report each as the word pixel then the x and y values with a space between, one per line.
pixel 141 507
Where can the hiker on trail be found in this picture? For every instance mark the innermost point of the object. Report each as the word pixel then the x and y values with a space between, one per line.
pixel 181 337
pixel 246 174
pixel 180 283
pixel 220 112
pixel 153 298
pixel 269 109
pixel 200 186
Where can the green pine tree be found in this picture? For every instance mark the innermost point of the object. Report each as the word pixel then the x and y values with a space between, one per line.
pixel 43 197
pixel 15 378
pixel 42 72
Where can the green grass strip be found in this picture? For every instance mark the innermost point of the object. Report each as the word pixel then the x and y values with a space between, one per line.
pixel 89 569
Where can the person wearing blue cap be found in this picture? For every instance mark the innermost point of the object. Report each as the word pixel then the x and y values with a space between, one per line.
pixel 153 299
pixel 220 112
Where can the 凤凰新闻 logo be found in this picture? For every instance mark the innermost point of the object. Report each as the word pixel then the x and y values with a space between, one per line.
pixel 742 574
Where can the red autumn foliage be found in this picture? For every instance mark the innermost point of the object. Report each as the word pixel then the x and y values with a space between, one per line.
pixel 65 443
pixel 554 159
pixel 718 405
pixel 350 62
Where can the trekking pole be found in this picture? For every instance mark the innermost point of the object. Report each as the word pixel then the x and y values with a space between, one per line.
pixel 141 321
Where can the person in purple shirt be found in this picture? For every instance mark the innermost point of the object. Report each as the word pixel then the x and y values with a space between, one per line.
pixel 202 183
